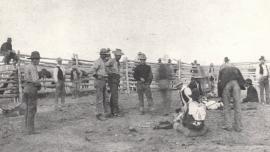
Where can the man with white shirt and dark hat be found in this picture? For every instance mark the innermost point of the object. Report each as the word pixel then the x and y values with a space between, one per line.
pixel 262 75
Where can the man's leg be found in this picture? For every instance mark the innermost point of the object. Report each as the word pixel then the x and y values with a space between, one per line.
pixel 148 94
pixel 227 109
pixel 99 97
pixel 266 85
pixel 114 97
pixel 73 89
pixel 106 100
pixel 237 107
pixel 63 92
pixel 140 91
pixel 57 93
pixel 261 87
pixel 163 93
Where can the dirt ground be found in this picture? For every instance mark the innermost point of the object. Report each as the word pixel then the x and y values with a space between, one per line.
pixel 75 129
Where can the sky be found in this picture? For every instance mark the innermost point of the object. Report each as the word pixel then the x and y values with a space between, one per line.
pixel 202 30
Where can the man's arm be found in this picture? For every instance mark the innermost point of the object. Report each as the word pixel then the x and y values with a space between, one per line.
pixel 55 72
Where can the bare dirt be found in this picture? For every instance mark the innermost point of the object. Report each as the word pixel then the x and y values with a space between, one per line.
pixel 75 129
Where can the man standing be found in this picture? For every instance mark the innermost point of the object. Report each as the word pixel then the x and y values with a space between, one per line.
pixel 113 69
pixel 164 76
pixel 230 84
pixel 143 75
pixel 7 52
pixel 59 79
pixel 31 86
pixel 75 77
pixel 262 75
pixel 212 77
pixel 101 78
pixel 226 63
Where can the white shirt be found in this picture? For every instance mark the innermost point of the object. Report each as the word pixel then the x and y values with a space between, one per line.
pixel 55 72
pixel 265 71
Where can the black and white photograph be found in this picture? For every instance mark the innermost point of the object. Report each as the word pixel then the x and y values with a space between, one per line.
pixel 134 75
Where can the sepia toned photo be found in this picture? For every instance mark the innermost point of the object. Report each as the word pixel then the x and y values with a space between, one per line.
pixel 134 76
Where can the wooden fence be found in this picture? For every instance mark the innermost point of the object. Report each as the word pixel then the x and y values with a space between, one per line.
pixel 13 75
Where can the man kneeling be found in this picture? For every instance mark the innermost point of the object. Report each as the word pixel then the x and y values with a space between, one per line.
pixel 190 120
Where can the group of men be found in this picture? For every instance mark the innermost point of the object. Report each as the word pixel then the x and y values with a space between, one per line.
pixel 106 70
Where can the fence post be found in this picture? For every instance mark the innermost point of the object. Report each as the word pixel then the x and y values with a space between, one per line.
pixel 19 78
pixel 179 70
pixel 127 76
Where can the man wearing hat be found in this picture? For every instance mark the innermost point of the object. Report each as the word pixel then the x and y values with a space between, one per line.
pixel 143 75
pixel 59 79
pixel 113 70
pixel 101 77
pixel 230 84
pixel 7 52
pixel 31 86
pixel 262 75
pixel 226 63
pixel 252 95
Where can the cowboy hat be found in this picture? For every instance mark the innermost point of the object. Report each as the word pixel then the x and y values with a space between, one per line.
pixel 261 58
pixel 118 52
pixel 34 55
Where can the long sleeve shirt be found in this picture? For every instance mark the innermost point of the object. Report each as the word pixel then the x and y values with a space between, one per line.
pixel 55 72
pixel 143 71
pixel 228 74
pixel 99 68
pixel 31 74
pixel 265 71
pixel 112 66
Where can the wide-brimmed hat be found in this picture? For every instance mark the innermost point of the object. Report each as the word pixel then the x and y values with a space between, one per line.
pixel 104 51
pixel 261 58
pixel 141 56
pixel 34 55
pixel 118 52
pixel 249 81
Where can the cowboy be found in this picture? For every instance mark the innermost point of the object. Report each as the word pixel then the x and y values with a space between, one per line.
pixel 143 75
pixel 252 95
pixel 101 78
pixel 59 79
pixel 230 84
pixel 164 77
pixel 212 77
pixel 262 75
pixel 113 69
pixel 31 87
pixel 75 77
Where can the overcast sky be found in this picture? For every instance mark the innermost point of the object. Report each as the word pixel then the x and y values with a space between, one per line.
pixel 206 30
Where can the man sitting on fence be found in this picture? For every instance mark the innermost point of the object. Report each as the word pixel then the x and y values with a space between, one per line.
pixel 8 53
pixel 59 79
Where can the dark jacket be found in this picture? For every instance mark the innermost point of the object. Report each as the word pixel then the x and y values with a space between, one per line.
pixel 252 95
pixel 143 71
pixel 5 47
pixel 228 74
pixel 164 72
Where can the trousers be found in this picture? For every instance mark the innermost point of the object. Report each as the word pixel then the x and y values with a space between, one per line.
pixel 60 91
pixel 30 99
pixel 232 89
pixel 142 89
pixel 264 87
pixel 102 103
pixel 113 81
